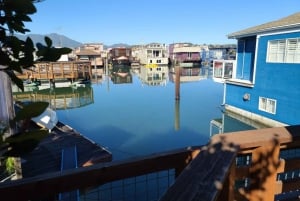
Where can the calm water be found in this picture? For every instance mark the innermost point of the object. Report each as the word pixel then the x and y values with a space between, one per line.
pixel 133 119
pixel 136 114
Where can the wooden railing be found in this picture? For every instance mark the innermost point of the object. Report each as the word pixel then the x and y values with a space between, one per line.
pixel 214 172
pixel 211 172
pixel 58 70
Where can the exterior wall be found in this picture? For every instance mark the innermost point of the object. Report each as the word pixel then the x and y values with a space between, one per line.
pixel 278 81
pixel 147 56
pixel 183 56
pixel 118 52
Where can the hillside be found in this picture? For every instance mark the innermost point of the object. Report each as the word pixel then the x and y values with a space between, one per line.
pixel 57 39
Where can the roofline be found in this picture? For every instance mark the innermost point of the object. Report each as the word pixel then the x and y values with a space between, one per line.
pixel 263 31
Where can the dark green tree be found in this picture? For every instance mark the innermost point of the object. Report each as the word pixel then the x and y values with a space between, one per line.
pixel 17 55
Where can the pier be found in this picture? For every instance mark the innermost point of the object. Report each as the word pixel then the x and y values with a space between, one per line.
pixel 68 70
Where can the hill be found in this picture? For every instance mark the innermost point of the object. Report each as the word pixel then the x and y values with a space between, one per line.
pixel 57 40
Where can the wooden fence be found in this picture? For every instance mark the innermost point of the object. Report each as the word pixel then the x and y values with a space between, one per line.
pixel 58 70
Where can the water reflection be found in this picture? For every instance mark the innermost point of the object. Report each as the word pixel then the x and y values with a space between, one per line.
pixel 121 74
pixel 59 98
pixel 231 122
pixel 142 116
pixel 153 76
pixel 190 74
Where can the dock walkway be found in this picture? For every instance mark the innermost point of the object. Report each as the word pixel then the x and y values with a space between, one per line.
pixel 46 157
pixel 69 161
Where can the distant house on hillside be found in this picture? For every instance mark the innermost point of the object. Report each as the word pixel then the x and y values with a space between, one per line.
pixel 266 85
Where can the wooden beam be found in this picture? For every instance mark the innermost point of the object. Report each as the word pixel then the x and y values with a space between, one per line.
pixel 205 176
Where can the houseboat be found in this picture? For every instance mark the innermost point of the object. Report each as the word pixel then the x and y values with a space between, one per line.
pixel 266 84
pixel 186 55
pixel 121 61
pixel 120 56
pixel 91 52
pixel 154 54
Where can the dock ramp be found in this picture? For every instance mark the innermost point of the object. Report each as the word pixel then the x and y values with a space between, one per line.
pixel 69 161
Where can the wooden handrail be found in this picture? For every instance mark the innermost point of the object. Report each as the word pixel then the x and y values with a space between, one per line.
pixel 205 176
pixel 263 145
pixel 82 178
pixel 210 176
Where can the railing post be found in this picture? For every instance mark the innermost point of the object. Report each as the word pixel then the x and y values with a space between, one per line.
pixel 263 172
pixel 227 192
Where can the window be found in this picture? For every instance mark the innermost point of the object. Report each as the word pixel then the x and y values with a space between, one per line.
pixel 267 105
pixel 284 51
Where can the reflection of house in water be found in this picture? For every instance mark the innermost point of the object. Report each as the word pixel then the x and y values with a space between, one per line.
pixel 153 76
pixel 121 74
pixel 190 74
pixel 60 97
pixel 231 122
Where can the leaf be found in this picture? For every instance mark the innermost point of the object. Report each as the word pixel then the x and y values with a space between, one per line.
pixel 48 41
pixel 30 110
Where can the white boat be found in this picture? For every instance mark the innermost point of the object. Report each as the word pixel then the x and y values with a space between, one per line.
pixel 48 119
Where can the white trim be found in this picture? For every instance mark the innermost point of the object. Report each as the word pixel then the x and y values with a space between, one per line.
pixel 267 105
pixel 255 59
pixel 266 32
pixel 255 117
pixel 277 33
pixel 245 83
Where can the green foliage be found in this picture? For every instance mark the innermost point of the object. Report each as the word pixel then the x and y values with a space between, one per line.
pixel 10 165
pixel 32 109
pixel 23 143
pixel 49 53
pixel 16 54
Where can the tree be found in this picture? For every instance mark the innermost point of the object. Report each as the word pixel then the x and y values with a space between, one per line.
pixel 17 55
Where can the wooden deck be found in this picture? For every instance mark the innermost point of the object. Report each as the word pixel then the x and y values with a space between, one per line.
pixel 58 70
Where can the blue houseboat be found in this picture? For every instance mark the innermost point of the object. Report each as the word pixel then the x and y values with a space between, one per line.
pixel 266 85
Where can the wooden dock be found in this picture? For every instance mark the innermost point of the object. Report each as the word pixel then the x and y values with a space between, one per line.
pixel 71 70
pixel 46 157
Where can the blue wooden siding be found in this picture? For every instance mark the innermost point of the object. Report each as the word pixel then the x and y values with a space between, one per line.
pixel 245 58
pixel 278 81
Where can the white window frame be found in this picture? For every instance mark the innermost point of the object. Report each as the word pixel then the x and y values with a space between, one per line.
pixel 284 51
pixel 267 105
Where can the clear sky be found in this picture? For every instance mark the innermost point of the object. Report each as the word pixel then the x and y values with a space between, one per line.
pixel 145 21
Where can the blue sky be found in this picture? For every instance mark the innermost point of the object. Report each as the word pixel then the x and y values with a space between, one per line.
pixel 145 21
